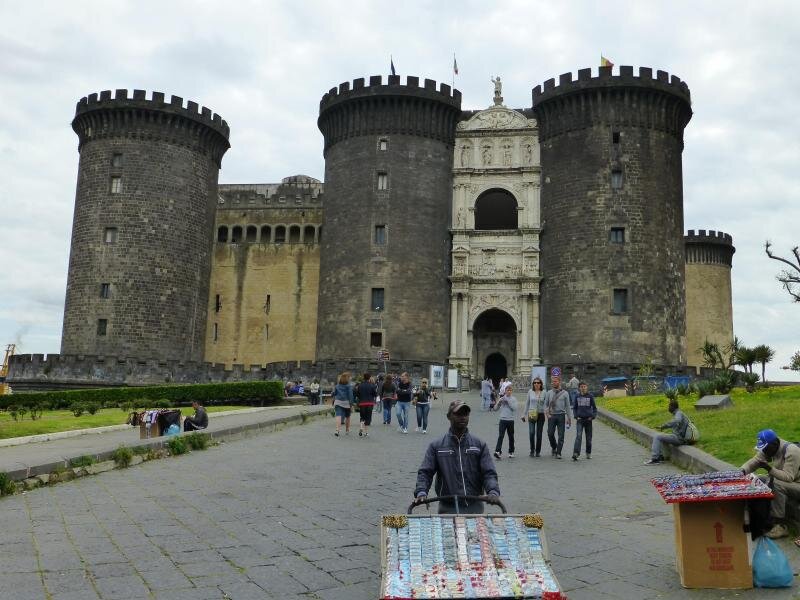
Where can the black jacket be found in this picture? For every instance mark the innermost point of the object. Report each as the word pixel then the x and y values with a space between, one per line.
pixel 463 467
pixel 404 391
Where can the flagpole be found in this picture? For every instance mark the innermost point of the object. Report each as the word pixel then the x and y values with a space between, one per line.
pixel 454 71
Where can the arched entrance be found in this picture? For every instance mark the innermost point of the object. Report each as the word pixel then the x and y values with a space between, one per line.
pixel 495 367
pixel 494 343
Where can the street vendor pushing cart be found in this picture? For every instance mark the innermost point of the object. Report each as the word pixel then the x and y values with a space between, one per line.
pixel 462 464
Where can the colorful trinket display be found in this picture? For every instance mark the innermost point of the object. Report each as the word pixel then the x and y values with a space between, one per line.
pixel 706 487
pixel 467 557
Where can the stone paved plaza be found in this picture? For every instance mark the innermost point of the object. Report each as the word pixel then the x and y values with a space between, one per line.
pixel 294 514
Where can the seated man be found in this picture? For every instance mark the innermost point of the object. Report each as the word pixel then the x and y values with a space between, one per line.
pixel 678 424
pixel 198 421
pixel 781 460
pixel 462 465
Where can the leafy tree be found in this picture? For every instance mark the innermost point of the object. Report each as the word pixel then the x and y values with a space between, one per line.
pixel 745 357
pixel 788 277
pixel 794 365
pixel 763 354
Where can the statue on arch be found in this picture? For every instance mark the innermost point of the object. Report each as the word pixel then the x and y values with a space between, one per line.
pixel 498 90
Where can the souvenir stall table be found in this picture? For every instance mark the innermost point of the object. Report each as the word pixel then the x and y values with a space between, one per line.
pixel 465 556
pixel 155 422
pixel 712 544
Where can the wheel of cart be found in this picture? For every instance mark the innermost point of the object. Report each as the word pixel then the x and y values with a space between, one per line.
pixel 497 555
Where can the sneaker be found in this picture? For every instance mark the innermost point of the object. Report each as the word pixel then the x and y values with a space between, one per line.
pixel 498 456
pixel 778 531
pixel 558 456
pixel 405 430
pixel 424 431
pixel 336 434
pixel 588 457
pixel 538 455
pixel 532 454
pixel 510 455
pixel 575 457
pixel 366 434
pixel 653 461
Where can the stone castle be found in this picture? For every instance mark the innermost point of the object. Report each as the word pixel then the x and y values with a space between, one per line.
pixel 491 241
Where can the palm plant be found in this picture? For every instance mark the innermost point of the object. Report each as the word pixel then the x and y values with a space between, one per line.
pixel 763 354
pixel 745 357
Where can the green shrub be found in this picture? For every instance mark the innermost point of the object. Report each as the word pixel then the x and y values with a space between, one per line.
pixel 7 486
pixel 683 390
pixel 177 445
pixel 198 441
pixel 122 456
pixel 13 411
pixel 92 407
pixel 725 381
pixel 140 450
pixel 750 380
pixel 671 393
pixel 82 461
pixel 22 410
pixel 77 408
pixel 705 388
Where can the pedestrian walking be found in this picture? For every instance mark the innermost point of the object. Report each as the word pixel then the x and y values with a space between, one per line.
pixel 404 393
pixel 422 402
pixel 557 410
pixel 388 395
pixel 507 405
pixel 572 388
pixel 366 392
pixel 584 410
pixel 486 393
pixel 534 413
pixel 343 403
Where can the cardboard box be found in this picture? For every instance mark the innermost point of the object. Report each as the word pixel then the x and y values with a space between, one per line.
pixel 155 431
pixel 712 549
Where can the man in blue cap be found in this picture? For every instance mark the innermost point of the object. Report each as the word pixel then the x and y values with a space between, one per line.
pixel 781 460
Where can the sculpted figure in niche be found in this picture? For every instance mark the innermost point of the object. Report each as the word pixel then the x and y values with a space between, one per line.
pixel 487 155
pixel 507 154
pixel 464 156
pixel 528 154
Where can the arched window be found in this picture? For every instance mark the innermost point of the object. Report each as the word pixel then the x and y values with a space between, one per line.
pixel 236 235
pixel 222 234
pixel 252 234
pixel 294 234
pixel 266 234
pixel 308 234
pixel 496 209
pixel 280 234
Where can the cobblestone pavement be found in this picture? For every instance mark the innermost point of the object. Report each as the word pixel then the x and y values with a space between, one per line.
pixel 294 514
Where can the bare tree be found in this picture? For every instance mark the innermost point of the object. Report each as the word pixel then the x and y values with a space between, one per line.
pixel 788 277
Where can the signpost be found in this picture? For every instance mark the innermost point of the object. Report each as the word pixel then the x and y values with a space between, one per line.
pixel 383 354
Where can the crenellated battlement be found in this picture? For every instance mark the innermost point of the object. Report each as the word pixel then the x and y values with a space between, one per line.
pixel 661 103
pixel 374 86
pixel 709 247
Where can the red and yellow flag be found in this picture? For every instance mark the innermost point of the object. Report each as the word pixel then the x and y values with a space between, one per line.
pixel 604 62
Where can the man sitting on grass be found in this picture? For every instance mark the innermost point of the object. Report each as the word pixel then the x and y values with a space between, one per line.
pixel 781 460
pixel 198 421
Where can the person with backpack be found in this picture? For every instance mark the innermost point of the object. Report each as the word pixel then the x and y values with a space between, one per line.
pixel 679 424
pixel 781 460
pixel 366 393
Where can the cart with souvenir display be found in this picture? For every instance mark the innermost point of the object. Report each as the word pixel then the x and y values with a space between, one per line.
pixel 465 555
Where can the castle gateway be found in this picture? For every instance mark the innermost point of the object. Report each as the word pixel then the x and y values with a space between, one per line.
pixel 490 240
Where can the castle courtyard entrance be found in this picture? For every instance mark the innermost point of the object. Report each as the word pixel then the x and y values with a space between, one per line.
pixel 494 344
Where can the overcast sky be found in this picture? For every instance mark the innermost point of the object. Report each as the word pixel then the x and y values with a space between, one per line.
pixel 263 66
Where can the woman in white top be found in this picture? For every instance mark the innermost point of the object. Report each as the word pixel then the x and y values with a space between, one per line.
pixel 534 413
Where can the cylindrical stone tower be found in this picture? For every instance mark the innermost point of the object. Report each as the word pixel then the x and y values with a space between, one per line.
pixel 709 307
pixel 142 232
pixel 385 242
pixel 612 214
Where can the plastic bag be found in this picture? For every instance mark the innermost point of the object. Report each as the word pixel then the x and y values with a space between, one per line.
pixel 770 566
pixel 172 430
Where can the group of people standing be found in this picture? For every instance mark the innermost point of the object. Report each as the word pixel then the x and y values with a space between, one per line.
pixel 555 406
pixel 388 391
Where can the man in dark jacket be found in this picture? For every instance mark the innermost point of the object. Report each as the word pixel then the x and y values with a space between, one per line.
pixel 198 421
pixel 462 464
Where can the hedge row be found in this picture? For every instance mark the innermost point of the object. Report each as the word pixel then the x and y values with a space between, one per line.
pixel 263 392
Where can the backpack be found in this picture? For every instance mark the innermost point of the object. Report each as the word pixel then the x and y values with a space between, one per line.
pixel 692 434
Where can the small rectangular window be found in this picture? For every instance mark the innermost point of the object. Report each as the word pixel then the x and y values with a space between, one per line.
pixel 102 326
pixel 615 137
pixel 377 299
pixel 217 303
pixel 110 235
pixel 383 144
pixel 116 185
pixel 620 305
pixel 383 181
pixel 376 339
pixel 116 159
pixel 105 290
pixel 617 235
pixel 616 179
pixel 380 234
pixel 216 331
pixel 267 304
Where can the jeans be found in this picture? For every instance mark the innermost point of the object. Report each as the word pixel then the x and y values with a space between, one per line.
pixel 505 426
pixel 486 399
pixel 664 438
pixel 553 422
pixel 402 414
pixel 387 411
pixel 582 425
pixel 535 431
pixel 422 415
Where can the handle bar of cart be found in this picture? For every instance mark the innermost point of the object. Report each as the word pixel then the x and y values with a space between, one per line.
pixel 494 500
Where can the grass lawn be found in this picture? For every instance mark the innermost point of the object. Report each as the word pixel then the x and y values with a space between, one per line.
pixel 728 434
pixel 64 420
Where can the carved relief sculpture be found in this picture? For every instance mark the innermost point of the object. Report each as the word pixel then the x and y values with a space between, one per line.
pixel 507 155
pixel 487 155
pixel 464 156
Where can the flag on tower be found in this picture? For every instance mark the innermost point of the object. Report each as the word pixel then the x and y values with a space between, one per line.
pixel 455 65
pixel 604 62
pixel 391 66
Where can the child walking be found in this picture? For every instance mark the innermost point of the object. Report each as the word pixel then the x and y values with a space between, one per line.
pixel 507 405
